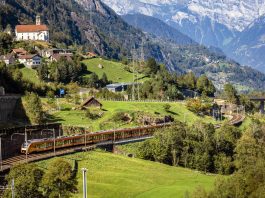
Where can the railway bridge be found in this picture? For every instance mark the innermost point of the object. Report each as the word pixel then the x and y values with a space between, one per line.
pixel 88 142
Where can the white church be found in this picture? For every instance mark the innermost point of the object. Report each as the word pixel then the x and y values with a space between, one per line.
pixel 36 32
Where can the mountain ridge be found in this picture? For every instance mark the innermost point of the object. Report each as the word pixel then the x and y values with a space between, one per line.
pixel 211 23
pixel 96 27
pixel 158 28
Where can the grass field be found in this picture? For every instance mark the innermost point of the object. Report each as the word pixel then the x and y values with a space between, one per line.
pixel 117 176
pixel 77 117
pixel 30 74
pixel 115 71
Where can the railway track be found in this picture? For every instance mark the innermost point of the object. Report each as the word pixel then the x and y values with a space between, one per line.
pixel 8 163
pixel 19 159
pixel 235 120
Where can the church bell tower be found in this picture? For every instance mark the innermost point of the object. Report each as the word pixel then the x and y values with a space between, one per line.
pixel 38 20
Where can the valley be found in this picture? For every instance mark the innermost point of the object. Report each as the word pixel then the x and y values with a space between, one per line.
pixel 132 98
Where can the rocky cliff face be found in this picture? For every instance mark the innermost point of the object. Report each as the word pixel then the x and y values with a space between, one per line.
pixel 234 14
pixel 249 47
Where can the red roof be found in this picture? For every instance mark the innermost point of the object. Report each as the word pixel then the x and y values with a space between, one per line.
pixel 29 56
pixel 19 51
pixel 31 28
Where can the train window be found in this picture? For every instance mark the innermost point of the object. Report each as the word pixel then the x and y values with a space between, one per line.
pixel 41 146
pixel 60 143
pixel 80 140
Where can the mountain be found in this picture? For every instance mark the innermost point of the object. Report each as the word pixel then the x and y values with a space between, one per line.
pixel 224 18
pixel 209 22
pixel 249 47
pixel 97 27
pixel 158 28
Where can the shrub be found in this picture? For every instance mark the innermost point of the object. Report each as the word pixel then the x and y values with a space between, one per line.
pixel 92 115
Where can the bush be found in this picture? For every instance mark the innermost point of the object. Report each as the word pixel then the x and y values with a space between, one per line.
pixel 198 107
pixel 92 115
pixel 121 116
pixel 33 108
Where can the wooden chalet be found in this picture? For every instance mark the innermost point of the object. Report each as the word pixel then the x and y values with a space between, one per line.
pixel 91 102
pixel 91 55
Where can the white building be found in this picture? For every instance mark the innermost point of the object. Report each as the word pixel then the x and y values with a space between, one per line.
pixel 31 61
pixel 36 32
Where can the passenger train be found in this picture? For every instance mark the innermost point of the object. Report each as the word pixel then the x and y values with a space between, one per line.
pixel 41 145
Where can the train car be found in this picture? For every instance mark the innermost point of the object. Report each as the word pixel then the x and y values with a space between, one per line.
pixel 42 145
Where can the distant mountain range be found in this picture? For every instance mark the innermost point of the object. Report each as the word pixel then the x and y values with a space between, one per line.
pixel 249 47
pixel 158 28
pixel 223 24
pixel 98 28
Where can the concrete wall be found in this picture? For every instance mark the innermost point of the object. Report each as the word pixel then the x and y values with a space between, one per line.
pixel 13 138
pixel 7 107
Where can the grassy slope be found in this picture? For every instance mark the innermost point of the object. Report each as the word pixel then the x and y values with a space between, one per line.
pixel 30 74
pixel 77 117
pixel 115 71
pixel 117 176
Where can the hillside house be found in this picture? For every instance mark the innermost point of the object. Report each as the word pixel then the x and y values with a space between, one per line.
pixel 36 32
pixel 49 52
pixel 91 102
pixel 120 87
pixel 19 52
pixel 8 59
pixel 91 55
pixel 31 60
pixel 57 57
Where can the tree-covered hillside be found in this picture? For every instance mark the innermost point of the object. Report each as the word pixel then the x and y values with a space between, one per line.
pixel 96 27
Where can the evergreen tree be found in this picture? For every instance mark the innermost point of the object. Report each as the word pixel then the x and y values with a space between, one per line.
pixel 231 93
pixel 43 71
pixel 6 42
pixel 205 86
pixel 152 66
pixel 104 80
pixel 190 81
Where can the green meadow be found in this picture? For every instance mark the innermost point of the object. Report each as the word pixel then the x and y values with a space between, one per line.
pixel 115 71
pixel 30 75
pixel 117 176
pixel 178 111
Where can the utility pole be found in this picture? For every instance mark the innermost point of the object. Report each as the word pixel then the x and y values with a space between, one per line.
pixel 133 88
pixel 84 170
pixel 26 141
pixel 85 138
pixel 142 62
pixel 54 141
pixel 13 188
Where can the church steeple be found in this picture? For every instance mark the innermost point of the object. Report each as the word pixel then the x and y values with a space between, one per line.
pixel 38 20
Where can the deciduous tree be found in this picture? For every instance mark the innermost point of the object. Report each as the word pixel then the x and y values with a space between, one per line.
pixel 58 180
pixel 33 108
pixel 27 178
